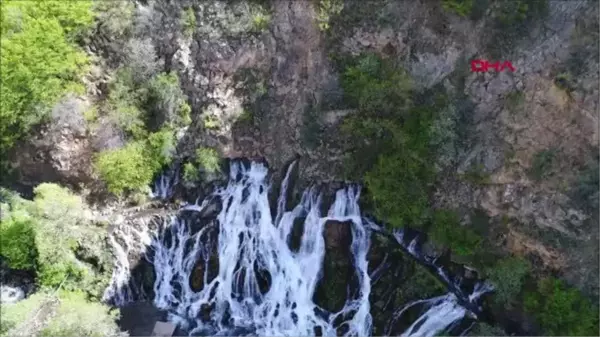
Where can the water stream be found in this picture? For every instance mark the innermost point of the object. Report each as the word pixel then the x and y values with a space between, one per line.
pixel 253 283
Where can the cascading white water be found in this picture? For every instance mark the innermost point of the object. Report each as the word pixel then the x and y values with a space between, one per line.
pixel 261 286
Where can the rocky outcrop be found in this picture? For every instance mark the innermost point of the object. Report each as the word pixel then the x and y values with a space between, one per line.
pixel 60 151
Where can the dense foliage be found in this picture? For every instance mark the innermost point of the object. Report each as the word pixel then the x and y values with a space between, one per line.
pixel 392 150
pixel 131 168
pixel 48 231
pixel 561 310
pixel 68 314
pixel 40 61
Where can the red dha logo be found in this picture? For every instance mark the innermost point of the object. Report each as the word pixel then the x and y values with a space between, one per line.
pixel 478 66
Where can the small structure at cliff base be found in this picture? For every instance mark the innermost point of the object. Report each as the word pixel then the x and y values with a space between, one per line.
pixel 163 329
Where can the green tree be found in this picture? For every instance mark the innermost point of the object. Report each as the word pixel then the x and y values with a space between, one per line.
pixel 561 310
pixel 447 230
pixel 17 243
pixel 60 223
pixel 126 168
pixel 76 316
pixel 131 168
pixel 508 277
pixel 39 60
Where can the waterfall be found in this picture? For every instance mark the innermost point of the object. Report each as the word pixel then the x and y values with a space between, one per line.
pixel 252 282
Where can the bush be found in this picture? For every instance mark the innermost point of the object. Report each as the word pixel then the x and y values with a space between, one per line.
pixel 586 191
pixel 508 276
pixel 188 22
pixel 14 315
pixel 397 191
pixel 17 242
pixel 166 103
pixel 260 21
pixel 377 87
pixel 190 173
pixel 60 219
pixel 391 140
pixel 208 159
pixel 39 61
pixel 131 168
pixel 76 316
pixel 562 311
pixel 123 104
pixel 125 169
pixel 447 230
pixel 460 7
pixel 326 10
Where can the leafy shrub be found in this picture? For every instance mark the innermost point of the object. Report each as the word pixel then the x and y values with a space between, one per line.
pixel 397 190
pixel 39 61
pixel 190 173
pixel 211 122
pixel 508 276
pixel 377 87
pixel 326 10
pixel 166 103
pixel 188 22
pixel 123 104
pixel 14 315
pixel 541 165
pixel 125 169
pixel 562 311
pixel 76 316
pixel 17 240
pixel 447 230
pixel 208 159
pixel 60 216
pixel 391 140
pixel 460 7
pixel 160 148
pixel 260 21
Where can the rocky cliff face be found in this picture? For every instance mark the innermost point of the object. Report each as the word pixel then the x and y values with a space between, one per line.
pixel 531 136
pixel 270 90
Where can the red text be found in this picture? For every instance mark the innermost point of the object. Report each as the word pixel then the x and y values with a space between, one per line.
pixel 479 66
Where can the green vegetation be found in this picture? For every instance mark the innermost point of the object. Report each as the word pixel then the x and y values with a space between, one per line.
pixel 69 314
pixel 326 10
pixel 512 21
pixel 211 122
pixel 43 235
pixel 148 113
pixel 541 165
pixel 190 173
pixel 561 310
pixel 390 140
pixel 508 276
pixel 446 230
pixel 260 21
pixel 76 316
pixel 460 7
pixel 188 22
pixel 39 63
pixel 131 168
pixel 208 159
